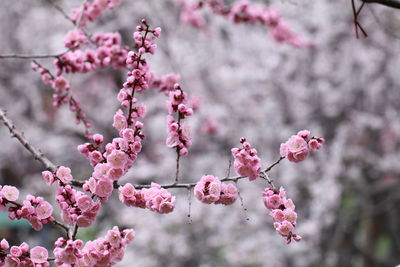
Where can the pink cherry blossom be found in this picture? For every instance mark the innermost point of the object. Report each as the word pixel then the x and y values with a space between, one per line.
pixel 208 189
pixel 39 255
pixel 10 193
pixel 64 174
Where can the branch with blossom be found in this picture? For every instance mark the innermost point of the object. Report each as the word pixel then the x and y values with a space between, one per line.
pixel 242 12
pixel 81 201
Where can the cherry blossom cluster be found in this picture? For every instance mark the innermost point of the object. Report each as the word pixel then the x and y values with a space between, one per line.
pixel 76 207
pixel 139 76
pixel 116 159
pixel 211 190
pixel 299 146
pixel 34 209
pixel 104 251
pixel 243 12
pixel 166 83
pixel 91 11
pixel 282 211
pixel 190 14
pixel 21 256
pixel 246 163
pixel 179 133
pixel 155 198
pixel 75 39
pixel 62 93
pixel 108 52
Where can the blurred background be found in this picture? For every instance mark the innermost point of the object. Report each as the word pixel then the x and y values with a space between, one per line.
pixel 344 89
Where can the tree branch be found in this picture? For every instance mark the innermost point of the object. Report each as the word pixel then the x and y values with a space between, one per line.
pixel 20 56
pixel 190 185
pixel 389 3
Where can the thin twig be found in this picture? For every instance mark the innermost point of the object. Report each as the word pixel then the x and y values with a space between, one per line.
pixel 190 205
pixel 66 228
pixel 21 56
pixel 178 156
pixel 388 3
pixel 242 202
pixel 273 165
pixel 184 185
pixel 228 171
pixel 356 13
pixel 75 232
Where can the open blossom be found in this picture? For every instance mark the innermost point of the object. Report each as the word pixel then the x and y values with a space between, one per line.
pixel 104 188
pixel 117 159
pixel 282 211
pixel 48 177
pixel 39 255
pixel 44 210
pixel 298 147
pixel 246 163
pixel 64 174
pixel 211 190
pixel 10 193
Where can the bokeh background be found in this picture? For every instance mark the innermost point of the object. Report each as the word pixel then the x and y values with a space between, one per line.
pixel 344 89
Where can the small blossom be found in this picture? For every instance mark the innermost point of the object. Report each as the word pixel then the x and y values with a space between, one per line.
pixel 48 177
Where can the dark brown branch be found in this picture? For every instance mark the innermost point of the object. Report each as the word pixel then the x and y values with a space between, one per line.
pixel 388 3
pixel 75 232
pixel 357 24
pixel 21 138
pixel 66 228
pixel 273 165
